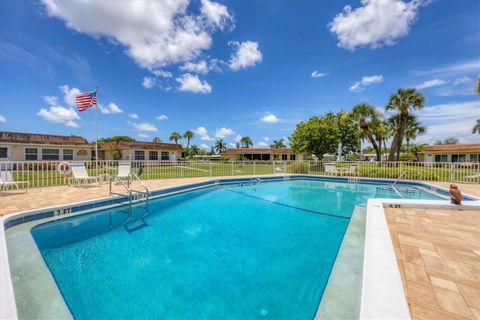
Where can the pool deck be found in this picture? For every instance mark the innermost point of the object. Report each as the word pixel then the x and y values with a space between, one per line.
pixel 37 198
pixel 438 254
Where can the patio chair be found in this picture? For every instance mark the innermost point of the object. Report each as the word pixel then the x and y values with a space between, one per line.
pixel 352 171
pixel 124 171
pixel 331 169
pixel 473 177
pixel 6 180
pixel 80 175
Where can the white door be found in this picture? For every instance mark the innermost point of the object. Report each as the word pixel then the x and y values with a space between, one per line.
pixel 173 157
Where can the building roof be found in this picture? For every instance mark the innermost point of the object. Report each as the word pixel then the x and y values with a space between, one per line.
pixel 123 145
pixel 35 138
pixel 234 151
pixel 452 148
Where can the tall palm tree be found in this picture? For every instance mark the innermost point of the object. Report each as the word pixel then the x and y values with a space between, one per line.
pixel 367 118
pixel 476 127
pixel 278 144
pixel 246 142
pixel 188 135
pixel 194 150
pixel 220 146
pixel 175 136
pixel 403 101
pixel 413 130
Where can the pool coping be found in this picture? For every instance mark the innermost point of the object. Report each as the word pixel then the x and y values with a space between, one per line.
pixel 373 304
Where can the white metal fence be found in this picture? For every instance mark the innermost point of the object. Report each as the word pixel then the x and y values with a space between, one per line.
pixel 45 174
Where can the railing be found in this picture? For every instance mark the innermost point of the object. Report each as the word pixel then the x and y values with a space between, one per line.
pixel 45 174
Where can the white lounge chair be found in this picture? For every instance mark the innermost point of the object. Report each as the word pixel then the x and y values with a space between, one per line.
pixel 331 169
pixel 124 171
pixel 6 180
pixel 80 175
pixel 473 177
pixel 352 171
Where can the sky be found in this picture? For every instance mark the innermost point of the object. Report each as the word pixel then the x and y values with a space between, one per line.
pixel 226 69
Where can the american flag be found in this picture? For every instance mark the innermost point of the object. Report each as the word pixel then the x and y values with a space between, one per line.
pixel 86 100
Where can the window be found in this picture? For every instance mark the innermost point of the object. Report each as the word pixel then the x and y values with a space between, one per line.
pixel 139 155
pixel 50 154
pixel 284 157
pixel 165 155
pixel 459 158
pixel 475 157
pixel 3 153
pixel 31 154
pixel 292 157
pixel 441 158
pixel 67 154
pixel 153 155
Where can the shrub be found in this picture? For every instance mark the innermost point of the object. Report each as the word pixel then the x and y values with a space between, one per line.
pixel 298 167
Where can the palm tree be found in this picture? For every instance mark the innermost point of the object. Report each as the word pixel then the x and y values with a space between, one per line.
pixel 156 140
pixel 403 101
pixel 246 142
pixel 415 149
pixel 175 136
pixel 414 128
pixel 188 135
pixel 220 146
pixel 194 150
pixel 367 118
pixel 476 127
pixel 278 144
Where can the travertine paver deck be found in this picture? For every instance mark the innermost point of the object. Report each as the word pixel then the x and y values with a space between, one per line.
pixel 438 254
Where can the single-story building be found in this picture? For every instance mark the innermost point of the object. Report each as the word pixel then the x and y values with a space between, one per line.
pixel 141 150
pixel 16 146
pixel 262 154
pixel 450 153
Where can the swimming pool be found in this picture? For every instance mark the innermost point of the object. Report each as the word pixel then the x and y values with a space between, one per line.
pixel 261 250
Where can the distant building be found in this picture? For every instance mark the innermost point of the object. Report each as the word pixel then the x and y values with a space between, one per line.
pixel 262 154
pixel 16 146
pixel 140 150
pixel 451 153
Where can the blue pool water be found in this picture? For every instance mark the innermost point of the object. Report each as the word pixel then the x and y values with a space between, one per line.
pixel 257 251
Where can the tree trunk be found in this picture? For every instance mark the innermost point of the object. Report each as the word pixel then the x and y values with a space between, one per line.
pixel 401 134
pixel 393 148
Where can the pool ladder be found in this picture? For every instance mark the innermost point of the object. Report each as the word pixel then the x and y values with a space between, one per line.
pixel 396 181
pixel 134 197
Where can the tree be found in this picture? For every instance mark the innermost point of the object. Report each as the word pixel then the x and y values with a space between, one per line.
pixel 413 129
pixel 220 146
pixel 476 127
pixel 237 145
pixel 368 120
pixel 349 135
pixel 246 142
pixel 317 135
pixel 415 149
pixel 188 135
pixel 194 150
pixel 450 140
pixel 278 144
pixel 175 136
pixel 156 140
pixel 403 101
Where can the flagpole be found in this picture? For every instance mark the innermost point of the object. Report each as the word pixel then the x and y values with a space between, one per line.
pixel 96 132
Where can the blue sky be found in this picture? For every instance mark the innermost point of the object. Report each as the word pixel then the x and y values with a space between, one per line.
pixel 230 68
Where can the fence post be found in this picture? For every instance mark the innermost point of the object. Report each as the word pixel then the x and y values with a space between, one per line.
pixel 308 166
pixel 452 172
pixel 210 167
pixel 254 171
pixel 273 167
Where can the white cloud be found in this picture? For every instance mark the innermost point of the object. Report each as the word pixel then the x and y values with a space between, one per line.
pixel 453 69
pixel 358 86
pixel 2 119
pixel 51 100
pixel 149 82
pixel 162 73
pixel 217 14
pixel 162 117
pixel 223 132
pixel 269 118
pixel 192 83
pixel 57 114
pixel 266 139
pixel 247 55
pixel 70 94
pixel 317 74
pixel 133 115
pixel 262 144
pixel 202 133
pixel 461 80
pixel 450 119
pixel 375 23
pixel 144 127
pixel 233 145
pixel 204 147
pixel 143 135
pixel 111 108
pixel 431 83
pixel 238 138
pixel 155 33
pixel 199 67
